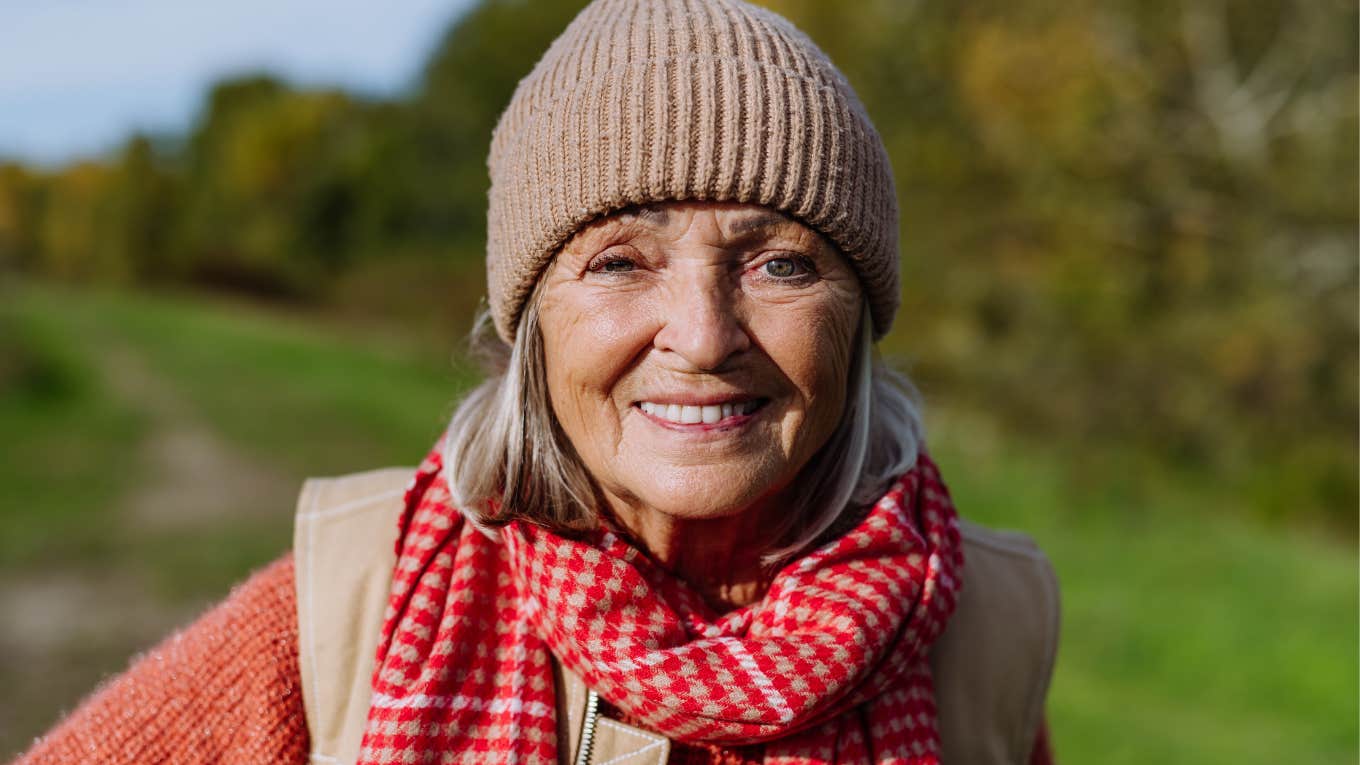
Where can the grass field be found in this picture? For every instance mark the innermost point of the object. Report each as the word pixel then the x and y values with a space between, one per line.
pixel 153 446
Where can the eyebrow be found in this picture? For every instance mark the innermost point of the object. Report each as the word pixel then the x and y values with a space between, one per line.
pixel 659 216
pixel 757 222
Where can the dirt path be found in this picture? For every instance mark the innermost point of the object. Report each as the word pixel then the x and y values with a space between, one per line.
pixel 197 479
pixel 66 630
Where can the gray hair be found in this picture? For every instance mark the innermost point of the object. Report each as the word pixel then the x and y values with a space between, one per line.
pixel 506 457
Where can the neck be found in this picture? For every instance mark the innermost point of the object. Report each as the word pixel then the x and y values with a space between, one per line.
pixel 718 557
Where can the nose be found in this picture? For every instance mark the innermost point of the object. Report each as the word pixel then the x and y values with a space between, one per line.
pixel 702 329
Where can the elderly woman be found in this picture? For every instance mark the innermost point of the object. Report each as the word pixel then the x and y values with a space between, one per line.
pixel 688 518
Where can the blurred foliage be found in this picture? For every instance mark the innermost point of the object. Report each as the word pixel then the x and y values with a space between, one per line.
pixel 1124 223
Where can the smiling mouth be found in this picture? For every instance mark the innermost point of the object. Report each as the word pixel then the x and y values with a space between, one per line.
pixel 710 414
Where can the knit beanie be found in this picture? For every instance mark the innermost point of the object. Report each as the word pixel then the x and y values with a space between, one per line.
pixel 642 101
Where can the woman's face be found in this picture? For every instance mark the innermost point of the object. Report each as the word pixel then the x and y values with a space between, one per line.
pixel 697 353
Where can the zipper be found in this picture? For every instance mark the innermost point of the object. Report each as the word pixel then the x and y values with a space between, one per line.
pixel 588 728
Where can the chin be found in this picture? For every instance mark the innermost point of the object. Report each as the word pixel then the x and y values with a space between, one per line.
pixel 706 491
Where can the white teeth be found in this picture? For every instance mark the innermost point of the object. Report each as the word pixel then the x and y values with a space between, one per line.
pixel 685 414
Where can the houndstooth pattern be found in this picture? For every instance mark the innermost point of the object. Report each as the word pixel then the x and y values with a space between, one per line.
pixel 830 666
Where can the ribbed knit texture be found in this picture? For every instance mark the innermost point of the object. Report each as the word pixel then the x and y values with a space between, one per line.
pixel 650 100
pixel 225 690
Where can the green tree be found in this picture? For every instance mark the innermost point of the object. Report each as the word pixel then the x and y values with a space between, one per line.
pixel 268 206
pixel 20 200
pixel 69 230
pixel 1130 223
pixel 439 155
pixel 141 211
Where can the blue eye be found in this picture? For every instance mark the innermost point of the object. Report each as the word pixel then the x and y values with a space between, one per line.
pixel 617 266
pixel 784 268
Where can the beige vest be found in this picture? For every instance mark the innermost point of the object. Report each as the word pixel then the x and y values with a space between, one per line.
pixel 992 664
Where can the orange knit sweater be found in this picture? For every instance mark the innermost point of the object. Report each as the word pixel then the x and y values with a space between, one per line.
pixel 227 689
pixel 224 690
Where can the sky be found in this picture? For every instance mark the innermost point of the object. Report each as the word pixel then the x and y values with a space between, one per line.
pixel 78 76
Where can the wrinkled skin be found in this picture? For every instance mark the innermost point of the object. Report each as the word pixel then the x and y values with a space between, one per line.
pixel 692 303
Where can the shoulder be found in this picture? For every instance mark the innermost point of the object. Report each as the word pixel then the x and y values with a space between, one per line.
pixel 345 530
pixel 344 549
pixel 366 492
pixel 1009 608
pixel 189 699
pixel 263 605
pixel 1008 569
pixel 344 536
pixel 994 661
pixel 346 527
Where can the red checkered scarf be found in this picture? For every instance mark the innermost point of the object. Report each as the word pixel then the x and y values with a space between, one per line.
pixel 830 666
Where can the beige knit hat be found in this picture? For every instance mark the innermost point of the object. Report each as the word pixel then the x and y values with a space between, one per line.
pixel 641 101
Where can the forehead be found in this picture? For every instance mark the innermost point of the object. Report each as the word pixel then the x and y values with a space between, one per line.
pixel 736 218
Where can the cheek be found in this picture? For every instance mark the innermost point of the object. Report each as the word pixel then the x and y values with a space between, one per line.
pixel 572 369
pixel 587 346
pixel 814 351
pixel 829 367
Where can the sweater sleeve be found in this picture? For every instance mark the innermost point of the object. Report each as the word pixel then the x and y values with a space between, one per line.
pixel 225 689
